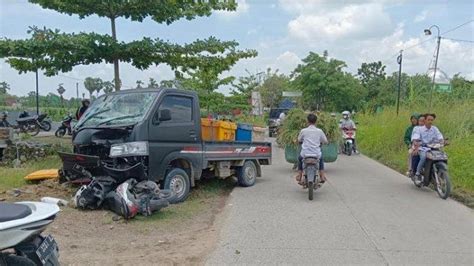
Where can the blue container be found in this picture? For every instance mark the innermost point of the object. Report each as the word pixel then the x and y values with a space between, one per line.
pixel 244 132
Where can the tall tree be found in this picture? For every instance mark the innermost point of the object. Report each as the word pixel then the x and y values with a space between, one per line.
pixel 4 87
pixel 372 75
pixel 245 85
pixel 139 84
pixel 92 85
pixel 161 11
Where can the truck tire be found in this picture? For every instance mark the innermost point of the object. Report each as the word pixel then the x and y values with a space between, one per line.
pixel 177 180
pixel 247 174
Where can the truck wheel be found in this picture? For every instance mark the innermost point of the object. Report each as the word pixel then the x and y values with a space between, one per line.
pixel 177 180
pixel 247 174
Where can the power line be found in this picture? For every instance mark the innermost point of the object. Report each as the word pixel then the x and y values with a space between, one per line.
pixel 457 27
pixel 457 40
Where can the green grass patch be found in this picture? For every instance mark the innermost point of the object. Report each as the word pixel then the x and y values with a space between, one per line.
pixel 380 136
pixel 14 177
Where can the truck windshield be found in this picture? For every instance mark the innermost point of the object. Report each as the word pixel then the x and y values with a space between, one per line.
pixel 117 109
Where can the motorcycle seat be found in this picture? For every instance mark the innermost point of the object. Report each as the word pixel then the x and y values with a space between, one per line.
pixel 24 119
pixel 11 211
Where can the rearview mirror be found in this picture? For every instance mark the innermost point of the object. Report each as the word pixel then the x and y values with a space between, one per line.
pixel 165 115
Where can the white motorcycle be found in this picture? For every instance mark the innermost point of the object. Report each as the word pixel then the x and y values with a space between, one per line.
pixel 21 242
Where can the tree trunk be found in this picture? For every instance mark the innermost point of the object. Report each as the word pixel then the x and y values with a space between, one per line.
pixel 116 61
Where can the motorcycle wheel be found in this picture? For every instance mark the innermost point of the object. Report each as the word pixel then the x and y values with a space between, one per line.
pixel 443 184
pixel 34 130
pixel 46 125
pixel 349 149
pixel 310 190
pixel 60 132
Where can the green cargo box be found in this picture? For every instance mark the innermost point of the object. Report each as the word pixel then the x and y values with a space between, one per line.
pixel 329 153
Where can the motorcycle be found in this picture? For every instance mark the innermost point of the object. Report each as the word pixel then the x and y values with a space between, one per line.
pixel 28 125
pixel 435 171
pixel 311 174
pixel 66 125
pixel 348 136
pixel 44 122
pixel 21 242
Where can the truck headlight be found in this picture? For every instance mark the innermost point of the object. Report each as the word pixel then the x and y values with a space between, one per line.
pixel 137 148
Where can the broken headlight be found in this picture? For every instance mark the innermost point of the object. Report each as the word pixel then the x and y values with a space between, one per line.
pixel 138 148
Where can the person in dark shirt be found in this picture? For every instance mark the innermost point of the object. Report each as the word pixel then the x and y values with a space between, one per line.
pixel 409 130
pixel 81 110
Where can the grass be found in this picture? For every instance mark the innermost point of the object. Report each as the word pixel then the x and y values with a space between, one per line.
pixel 13 177
pixel 380 136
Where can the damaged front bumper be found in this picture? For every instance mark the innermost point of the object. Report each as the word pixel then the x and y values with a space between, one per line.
pixel 81 168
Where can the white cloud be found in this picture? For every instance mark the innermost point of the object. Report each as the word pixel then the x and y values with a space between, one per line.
pixel 352 21
pixel 422 16
pixel 242 7
pixel 286 62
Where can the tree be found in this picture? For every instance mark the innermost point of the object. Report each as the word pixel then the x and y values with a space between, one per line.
pixel 325 85
pixel 271 90
pixel 92 85
pixel 108 87
pixel 371 76
pixel 61 91
pixel 247 84
pixel 164 11
pixel 4 87
pixel 139 84
pixel 152 84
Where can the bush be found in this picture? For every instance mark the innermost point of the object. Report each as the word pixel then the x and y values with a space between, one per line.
pixel 380 136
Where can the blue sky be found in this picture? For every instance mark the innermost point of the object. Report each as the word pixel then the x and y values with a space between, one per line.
pixel 282 31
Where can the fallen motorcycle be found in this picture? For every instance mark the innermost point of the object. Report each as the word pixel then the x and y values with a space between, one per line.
pixel 21 242
pixel 435 171
pixel 28 125
pixel 44 122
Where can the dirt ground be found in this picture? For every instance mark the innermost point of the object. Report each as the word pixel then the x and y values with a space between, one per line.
pixel 100 237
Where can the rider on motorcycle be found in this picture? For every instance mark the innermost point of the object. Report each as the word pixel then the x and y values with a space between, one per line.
pixel 422 136
pixel 346 123
pixel 3 120
pixel 311 139
pixel 81 110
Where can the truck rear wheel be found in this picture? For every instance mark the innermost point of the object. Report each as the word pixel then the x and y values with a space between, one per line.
pixel 247 174
pixel 177 180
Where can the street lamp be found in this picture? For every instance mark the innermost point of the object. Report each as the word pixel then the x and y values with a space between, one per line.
pixel 428 32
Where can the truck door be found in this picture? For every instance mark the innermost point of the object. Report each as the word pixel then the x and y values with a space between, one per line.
pixel 174 132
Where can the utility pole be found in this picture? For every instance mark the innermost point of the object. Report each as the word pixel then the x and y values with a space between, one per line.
pixel 77 90
pixel 399 60
pixel 37 93
pixel 428 32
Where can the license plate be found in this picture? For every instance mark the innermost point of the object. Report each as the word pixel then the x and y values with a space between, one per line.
pixel 47 249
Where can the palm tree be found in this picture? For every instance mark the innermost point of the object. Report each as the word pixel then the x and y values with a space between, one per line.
pixel 92 85
pixel 4 87
pixel 152 84
pixel 139 84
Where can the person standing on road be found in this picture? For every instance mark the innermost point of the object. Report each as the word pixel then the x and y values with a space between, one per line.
pixel 81 110
pixel 311 139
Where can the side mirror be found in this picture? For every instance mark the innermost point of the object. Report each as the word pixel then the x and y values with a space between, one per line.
pixel 165 115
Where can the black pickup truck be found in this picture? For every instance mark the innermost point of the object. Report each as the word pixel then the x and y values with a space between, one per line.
pixel 156 135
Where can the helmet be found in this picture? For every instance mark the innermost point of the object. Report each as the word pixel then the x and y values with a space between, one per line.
pixel 86 101
pixel 346 113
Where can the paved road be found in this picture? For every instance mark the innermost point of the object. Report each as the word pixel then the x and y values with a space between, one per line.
pixel 367 214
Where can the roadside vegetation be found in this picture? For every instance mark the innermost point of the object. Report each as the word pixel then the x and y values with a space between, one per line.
pixel 380 136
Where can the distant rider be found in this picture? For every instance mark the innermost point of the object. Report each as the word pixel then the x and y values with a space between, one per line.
pixel 346 123
pixel 3 120
pixel 311 139
pixel 427 134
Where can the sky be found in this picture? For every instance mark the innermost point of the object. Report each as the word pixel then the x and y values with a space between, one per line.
pixel 282 31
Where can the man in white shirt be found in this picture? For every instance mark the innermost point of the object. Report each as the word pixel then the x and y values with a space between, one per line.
pixel 311 139
pixel 427 134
